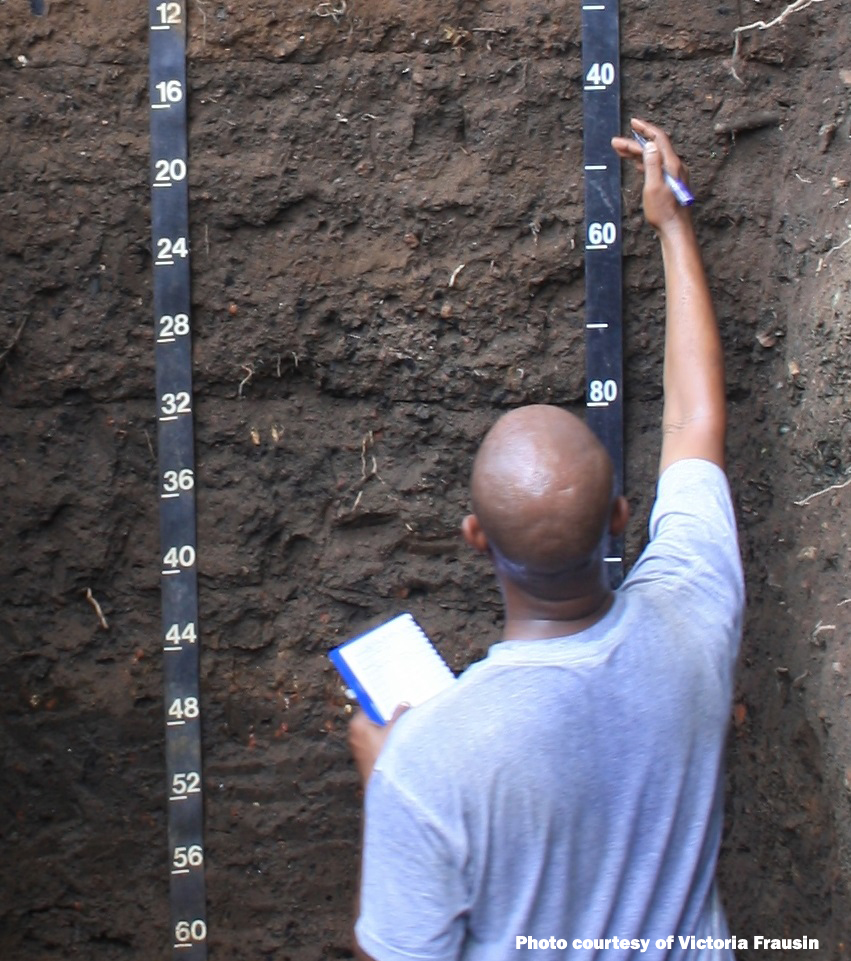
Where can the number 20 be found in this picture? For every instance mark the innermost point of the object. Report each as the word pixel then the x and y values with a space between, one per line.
pixel 169 170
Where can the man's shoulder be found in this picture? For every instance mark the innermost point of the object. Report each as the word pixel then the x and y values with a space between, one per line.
pixel 691 566
pixel 694 505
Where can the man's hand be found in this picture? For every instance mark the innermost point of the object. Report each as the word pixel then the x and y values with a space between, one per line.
pixel 653 160
pixel 366 739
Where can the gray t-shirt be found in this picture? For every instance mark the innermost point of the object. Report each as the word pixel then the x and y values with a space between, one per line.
pixel 571 788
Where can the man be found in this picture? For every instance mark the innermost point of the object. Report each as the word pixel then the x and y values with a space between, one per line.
pixel 567 790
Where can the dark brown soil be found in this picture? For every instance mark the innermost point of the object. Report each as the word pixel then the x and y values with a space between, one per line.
pixel 341 171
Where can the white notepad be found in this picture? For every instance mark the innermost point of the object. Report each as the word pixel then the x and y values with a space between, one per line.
pixel 392 664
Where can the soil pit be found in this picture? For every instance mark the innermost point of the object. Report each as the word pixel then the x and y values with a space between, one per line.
pixel 345 161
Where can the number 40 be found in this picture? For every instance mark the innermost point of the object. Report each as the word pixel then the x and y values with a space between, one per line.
pixel 601 74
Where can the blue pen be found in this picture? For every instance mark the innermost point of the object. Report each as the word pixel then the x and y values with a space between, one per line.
pixel 681 192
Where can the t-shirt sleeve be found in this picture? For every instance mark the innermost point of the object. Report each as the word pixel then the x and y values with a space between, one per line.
pixel 693 558
pixel 411 885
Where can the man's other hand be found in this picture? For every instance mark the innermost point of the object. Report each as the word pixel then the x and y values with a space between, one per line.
pixel 366 739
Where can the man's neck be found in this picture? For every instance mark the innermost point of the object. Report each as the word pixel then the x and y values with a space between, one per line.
pixel 531 619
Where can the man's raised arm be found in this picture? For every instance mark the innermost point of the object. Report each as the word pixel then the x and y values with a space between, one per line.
pixel 693 417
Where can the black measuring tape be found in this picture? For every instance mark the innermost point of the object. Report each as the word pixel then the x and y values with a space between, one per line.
pixel 603 267
pixel 179 579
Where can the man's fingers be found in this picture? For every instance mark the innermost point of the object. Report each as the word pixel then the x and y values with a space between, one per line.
pixel 647 130
pixel 653 176
pixel 653 134
pixel 650 131
pixel 400 710
pixel 359 722
pixel 626 148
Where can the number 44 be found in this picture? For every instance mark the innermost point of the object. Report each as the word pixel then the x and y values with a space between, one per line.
pixel 174 635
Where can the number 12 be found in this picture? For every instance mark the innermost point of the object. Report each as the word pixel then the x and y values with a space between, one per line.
pixel 169 13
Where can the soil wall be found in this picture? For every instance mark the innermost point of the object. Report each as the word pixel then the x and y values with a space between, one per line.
pixel 345 160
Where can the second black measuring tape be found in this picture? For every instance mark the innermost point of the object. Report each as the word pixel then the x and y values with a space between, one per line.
pixel 603 267
pixel 178 553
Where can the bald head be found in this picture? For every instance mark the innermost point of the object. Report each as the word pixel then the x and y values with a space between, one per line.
pixel 542 492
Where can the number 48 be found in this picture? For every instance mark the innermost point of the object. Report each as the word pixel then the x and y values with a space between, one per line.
pixel 184 707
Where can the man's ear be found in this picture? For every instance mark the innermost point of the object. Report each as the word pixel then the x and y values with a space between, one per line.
pixel 619 516
pixel 473 534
